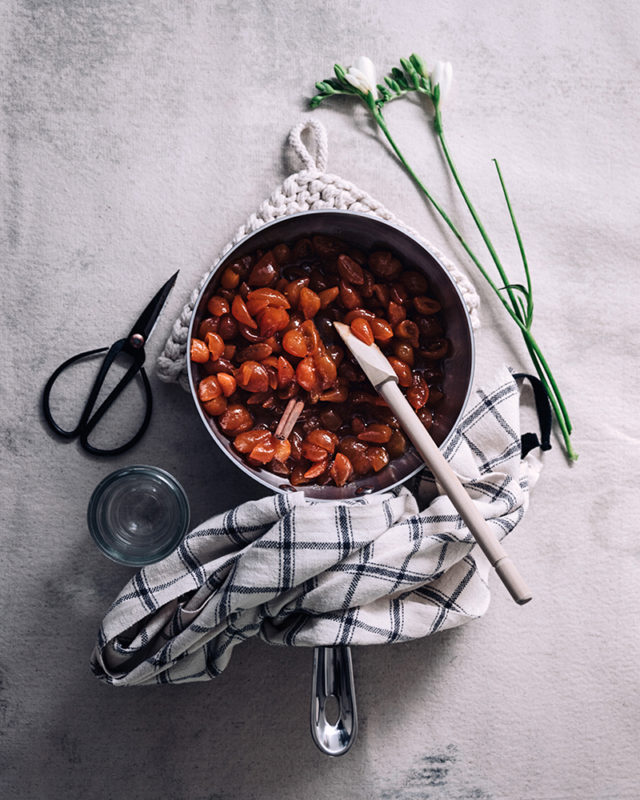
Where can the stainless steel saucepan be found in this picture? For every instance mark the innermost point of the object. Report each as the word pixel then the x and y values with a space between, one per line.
pixel 332 667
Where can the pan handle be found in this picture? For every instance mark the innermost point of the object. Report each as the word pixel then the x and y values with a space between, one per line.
pixel 333 678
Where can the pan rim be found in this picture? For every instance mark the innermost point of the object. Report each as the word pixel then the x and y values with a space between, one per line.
pixel 315 493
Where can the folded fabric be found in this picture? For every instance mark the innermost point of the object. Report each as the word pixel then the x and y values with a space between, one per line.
pixel 376 570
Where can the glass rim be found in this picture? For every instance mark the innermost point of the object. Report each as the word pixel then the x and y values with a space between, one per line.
pixel 97 533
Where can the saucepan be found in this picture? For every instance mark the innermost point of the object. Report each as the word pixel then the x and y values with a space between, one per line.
pixel 332 673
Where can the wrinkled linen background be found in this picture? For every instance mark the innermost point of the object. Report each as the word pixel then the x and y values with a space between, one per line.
pixel 136 137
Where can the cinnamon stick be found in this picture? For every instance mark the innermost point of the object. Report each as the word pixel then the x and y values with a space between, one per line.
pixel 289 418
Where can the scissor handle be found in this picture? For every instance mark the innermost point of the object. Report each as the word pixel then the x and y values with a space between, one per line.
pixel 46 393
pixel 89 420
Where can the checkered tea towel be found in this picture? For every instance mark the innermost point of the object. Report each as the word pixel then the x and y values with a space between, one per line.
pixel 376 570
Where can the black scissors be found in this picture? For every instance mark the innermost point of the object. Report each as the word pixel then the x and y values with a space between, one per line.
pixel 133 347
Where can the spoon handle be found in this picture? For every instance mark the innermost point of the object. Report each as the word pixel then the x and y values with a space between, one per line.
pixel 448 480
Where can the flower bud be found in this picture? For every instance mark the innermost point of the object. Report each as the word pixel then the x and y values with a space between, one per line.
pixel 442 76
pixel 419 65
pixel 362 75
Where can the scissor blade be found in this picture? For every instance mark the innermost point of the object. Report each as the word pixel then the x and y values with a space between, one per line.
pixel 148 318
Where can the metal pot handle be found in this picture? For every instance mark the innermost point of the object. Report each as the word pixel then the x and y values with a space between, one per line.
pixel 333 677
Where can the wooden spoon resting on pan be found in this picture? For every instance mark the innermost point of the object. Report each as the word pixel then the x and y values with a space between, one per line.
pixel 379 371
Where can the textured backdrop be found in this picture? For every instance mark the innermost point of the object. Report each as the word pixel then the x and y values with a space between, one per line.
pixel 135 138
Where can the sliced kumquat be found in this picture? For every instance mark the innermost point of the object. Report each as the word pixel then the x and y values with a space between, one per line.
pixel 317 469
pixel 215 345
pixel 283 449
pixel 241 312
pixel 209 388
pixel 341 469
pixel 199 351
pixel 245 442
pixel 218 305
pixel 361 328
pixel 216 407
pixel 227 383
pixel 327 296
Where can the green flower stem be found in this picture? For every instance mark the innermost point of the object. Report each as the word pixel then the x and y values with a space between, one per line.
pixel 530 342
pixel 555 398
pixel 523 255
pixel 514 312
pixel 383 127
pixel 515 315
pixel 525 264
pixel 476 219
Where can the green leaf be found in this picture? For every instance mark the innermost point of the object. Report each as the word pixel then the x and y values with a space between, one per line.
pixel 523 292
pixel 523 255
pixel 529 319
pixel 517 287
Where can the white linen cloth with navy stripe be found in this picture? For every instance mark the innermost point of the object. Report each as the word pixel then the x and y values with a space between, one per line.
pixel 376 570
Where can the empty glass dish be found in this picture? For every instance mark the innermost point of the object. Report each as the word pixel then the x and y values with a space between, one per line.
pixel 138 515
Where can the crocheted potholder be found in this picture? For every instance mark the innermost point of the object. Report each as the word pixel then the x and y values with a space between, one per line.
pixel 311 188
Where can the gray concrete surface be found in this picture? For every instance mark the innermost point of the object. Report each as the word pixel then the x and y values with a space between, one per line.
pixel 136 137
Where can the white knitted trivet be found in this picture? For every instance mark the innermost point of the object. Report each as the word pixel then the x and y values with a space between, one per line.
pixel 311 188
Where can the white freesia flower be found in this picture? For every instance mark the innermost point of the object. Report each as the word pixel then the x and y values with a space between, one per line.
pixel 362 75
pixel 442 76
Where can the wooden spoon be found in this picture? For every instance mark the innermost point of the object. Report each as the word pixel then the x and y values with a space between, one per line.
pixel 385 381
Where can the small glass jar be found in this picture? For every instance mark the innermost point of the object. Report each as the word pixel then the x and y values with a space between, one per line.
pixel 138 515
